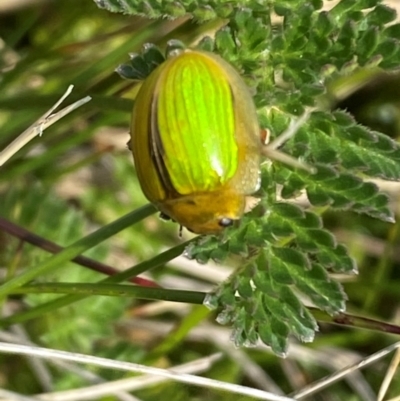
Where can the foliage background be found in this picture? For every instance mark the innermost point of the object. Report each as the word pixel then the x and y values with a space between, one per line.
pixel 79 176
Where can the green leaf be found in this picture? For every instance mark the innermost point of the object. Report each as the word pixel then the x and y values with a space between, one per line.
pixel 324 24
pixel 287 221
pixel 268 307
pixel 388 48
pixel 324 293
pixel 381 15
pixel 175 9
pixel 224 41
pixel 368 43
pixel 289 256
pixel 283 249
pixel 393 31
pixel 344 191
pixel 204 13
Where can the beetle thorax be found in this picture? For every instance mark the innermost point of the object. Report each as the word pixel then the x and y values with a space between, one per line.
pixel 206 213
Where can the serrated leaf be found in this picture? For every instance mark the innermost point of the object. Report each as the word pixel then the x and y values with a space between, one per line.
pixel 348 192
pixel 152 55
pixel 388 48
pixel 325 293
pixel 224 41
pixel 347 34
pixel 225 10
pixel 206 44
pixel 175 9
pixel 244 287
pixel 324 24
pixel 311 220
pixel 322 238
pixel 292 185
pixel 251 32
pixel 126 71
pixel 270 309
pixel 368 43
pixel 358 133
pixel 281 10
pixel 381 15
pixel 253 234
pixel 380 158
pixel 290 256
pixel 204 12
pixel 276 228
pixel 307 232
pixel 393 31
pixel 276 336
pixel 360 150
pixel 343 7
pixel 343 119
pixel 289 211
pixel 337 260
pixel 318 198
pixel 301 321
pixel 279 273
pixel 287 250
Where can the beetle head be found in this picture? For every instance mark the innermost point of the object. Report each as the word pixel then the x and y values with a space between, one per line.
pixel 206 213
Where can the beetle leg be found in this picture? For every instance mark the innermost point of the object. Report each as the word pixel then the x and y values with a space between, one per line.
pixel 164 216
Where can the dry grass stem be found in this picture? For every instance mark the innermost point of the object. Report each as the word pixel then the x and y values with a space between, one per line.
pixel 37 128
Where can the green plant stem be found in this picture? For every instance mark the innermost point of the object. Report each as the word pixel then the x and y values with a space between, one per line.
pixel 114 290
pixel 27 236
pixel 345 319
pixel 38 311
pixel 77 248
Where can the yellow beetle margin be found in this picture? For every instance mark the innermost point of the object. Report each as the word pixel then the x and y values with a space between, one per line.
pixel 194 190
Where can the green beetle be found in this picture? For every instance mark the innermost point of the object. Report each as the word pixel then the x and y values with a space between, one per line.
pixel 196 141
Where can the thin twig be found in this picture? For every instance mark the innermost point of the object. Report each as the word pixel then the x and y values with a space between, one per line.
pixel 40 125
pixel 294 126
pixel 345 319
pixel 271 150
pixel 49 246
pixel 91 377
pixel 40 370
pixel 128 384
pixel 206 332
pixel 47 353
pixel 327 381
pixel 7 395
pixel 389 375
pixel 38 366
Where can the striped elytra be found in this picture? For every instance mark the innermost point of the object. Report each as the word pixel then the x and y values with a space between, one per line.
pixel 196 141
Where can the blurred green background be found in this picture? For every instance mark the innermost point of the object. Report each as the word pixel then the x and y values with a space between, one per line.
pixel 79 176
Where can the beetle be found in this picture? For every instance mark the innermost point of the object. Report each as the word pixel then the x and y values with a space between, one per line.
pixel 195 140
